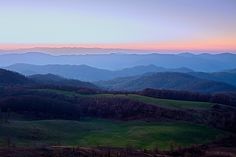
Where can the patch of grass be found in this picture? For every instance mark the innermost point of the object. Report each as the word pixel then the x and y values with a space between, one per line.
pixel 145 99
pixel 172 103
pixel 98 132
pixel 163 102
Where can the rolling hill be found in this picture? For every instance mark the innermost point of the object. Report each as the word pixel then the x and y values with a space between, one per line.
pixel 87 73
pixel 80 72
pixel 226 77
pixel 69 75
pixel 166 80
pixel 12 78
pixel 50 79
pixel 9 78
pixel 230 70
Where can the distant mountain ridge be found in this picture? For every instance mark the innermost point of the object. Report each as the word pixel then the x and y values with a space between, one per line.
pixel 91 74
pixel 87 73
pixel 230 70
pixel 160 80
pixel 114 61
pixel 228 77
pixel 166 80
pixel 9 78
pixel 50 79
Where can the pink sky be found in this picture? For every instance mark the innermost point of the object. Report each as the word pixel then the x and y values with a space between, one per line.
pixel 204 45
pixel 173 25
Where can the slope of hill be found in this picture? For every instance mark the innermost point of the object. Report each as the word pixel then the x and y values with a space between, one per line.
pixel 50 79
pixel 9 78
pixel 226 77
pixel 230 71
pixel 166 80
pixel 197 62
pixel 12 78
pixel 142 69
pixel 87 73
pixel 80 72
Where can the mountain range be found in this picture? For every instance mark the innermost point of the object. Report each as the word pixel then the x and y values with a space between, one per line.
pixel 226 77
pixel 87 73
pixel 114 61
pixel 50 79
pixel 91 74
pixel 166 80
pixel 156 80
pixel 117 71
pixel 9 78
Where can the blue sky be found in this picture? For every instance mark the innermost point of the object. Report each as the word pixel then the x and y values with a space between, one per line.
pixel 156 23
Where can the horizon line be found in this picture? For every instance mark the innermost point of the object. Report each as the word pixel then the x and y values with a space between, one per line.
pixel 53 54
pixel 196 47
pixel 51 50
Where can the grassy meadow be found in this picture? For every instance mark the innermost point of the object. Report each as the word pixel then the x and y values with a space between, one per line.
pixel 89 132
pixel 163 102
pixel 180 104
pixel 99 132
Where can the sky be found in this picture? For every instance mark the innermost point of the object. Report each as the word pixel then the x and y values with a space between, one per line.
pixel 193 25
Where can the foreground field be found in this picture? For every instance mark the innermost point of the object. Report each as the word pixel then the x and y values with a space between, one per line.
pixel 97 132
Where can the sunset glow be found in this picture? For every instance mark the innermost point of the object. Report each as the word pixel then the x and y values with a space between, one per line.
pixel 180 25
pixel 207 45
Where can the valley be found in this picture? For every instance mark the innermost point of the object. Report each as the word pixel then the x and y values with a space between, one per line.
pixel 157 113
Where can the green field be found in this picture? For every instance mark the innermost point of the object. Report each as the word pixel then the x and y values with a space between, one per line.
pixel 163 102
pixel 98 132
pixel 148 100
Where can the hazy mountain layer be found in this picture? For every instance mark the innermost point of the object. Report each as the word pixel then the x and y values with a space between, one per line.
pixel 9 78
pixel 87 73
pixel 50 79
pixel 166 80
pixel 202 62
pixel 226 77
